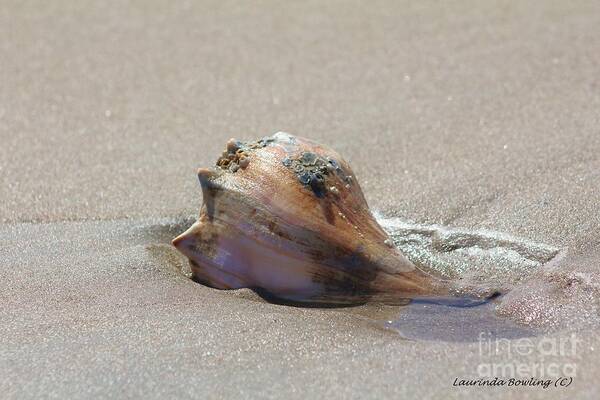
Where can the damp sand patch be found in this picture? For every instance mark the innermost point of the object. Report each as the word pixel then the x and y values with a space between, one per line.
pixel 474 259
pixel 474 256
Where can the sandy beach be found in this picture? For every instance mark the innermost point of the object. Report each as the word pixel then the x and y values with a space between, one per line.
pixel 456 117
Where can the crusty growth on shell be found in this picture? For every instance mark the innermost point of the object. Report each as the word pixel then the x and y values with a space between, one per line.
pixel 285 217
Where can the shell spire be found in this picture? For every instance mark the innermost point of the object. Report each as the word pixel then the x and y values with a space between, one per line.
pixel 286 217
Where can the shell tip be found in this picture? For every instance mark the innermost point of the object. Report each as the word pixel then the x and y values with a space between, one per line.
pixel 206 177
pixel 204 173
pixel 188 237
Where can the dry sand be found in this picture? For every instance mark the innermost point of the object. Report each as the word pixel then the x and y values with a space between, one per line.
pixel 470 115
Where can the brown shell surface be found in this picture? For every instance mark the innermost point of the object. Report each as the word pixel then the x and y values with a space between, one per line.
pixel 286 217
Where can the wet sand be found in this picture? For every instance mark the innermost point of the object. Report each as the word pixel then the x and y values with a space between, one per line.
pixel 467 116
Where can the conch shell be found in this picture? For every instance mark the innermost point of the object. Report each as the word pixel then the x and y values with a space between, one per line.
pixel 286 217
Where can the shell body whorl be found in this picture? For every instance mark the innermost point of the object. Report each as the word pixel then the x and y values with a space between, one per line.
pixel 286 217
